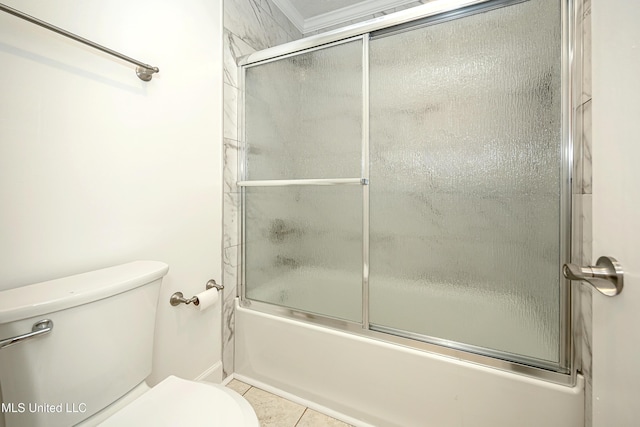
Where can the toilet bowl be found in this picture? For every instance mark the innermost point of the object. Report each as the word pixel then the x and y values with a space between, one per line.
pixel 77 350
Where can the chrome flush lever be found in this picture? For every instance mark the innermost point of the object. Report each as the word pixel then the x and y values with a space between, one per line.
pixel 606 276
pixel 39 328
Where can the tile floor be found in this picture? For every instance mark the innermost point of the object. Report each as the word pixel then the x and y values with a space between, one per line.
pixel 275 411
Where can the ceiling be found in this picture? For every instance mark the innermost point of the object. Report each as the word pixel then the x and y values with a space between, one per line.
pixel 313 15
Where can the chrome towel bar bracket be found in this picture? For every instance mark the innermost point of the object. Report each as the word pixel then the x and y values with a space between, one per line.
pixel 39 328
pixel 606 276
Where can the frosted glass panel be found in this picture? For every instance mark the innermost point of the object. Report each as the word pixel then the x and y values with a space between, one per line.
pixel 304 248
pixel 465 180
pixel 303 115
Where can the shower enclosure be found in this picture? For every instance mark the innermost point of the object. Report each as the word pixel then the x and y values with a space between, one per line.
pixel 410 182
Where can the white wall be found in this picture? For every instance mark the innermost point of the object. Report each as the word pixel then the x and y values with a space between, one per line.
pixel 616 209
pixel 99 168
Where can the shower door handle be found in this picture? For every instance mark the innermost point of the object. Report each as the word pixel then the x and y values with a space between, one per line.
pixel 39 328
pixel 606 276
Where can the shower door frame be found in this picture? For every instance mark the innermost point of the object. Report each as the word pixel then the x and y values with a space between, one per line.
pixel 433 13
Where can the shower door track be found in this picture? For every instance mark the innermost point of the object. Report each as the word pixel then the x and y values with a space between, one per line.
pixel 428 14
pixel 442 9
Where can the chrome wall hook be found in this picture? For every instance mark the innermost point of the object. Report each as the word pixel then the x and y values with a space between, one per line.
pixel 606 276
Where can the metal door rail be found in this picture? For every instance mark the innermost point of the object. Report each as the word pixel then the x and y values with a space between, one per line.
pixel 143 71
pixel 288 182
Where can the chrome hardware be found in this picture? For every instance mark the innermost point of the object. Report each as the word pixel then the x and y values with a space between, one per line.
pixel 143 71
pixel 145 74
pixel 606 276
pixel 212 284
pixel 178 297
pixel 290 182
pixel 39 328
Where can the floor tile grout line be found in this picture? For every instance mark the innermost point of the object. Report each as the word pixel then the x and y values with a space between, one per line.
pixel 301 415
pixel 282 398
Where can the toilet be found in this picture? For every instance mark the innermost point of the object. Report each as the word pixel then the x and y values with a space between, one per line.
pixel 77 351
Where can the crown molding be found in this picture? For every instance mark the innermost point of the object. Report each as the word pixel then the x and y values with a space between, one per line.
pixel 292 13
pixel 340 16
pixel 359 10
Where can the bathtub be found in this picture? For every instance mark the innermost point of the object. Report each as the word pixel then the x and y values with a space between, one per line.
pixel 367 382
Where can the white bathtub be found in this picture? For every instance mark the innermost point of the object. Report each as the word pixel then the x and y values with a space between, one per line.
pixel 369 382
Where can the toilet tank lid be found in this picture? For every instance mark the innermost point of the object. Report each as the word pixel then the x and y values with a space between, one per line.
pixel 55 295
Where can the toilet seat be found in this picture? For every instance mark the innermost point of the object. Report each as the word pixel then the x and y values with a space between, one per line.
pixel 178 402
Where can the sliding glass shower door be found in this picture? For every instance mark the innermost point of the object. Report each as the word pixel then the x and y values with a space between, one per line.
pixel 303 200
pixel 413 182
pixel 465 143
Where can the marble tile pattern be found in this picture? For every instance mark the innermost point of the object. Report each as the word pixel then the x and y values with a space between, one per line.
pixel 249 26
pixel 586 50
pixel 582 154
pixel 275 411
pixel 239 386
pixel 582 253
pixel 259 23
pixel 586 147
pixel 230 112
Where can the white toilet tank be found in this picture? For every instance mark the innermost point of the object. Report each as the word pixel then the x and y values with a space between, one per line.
pixel 99 348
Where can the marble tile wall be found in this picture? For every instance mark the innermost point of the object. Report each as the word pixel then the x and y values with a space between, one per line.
pixel 249 26
pixel 582 251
